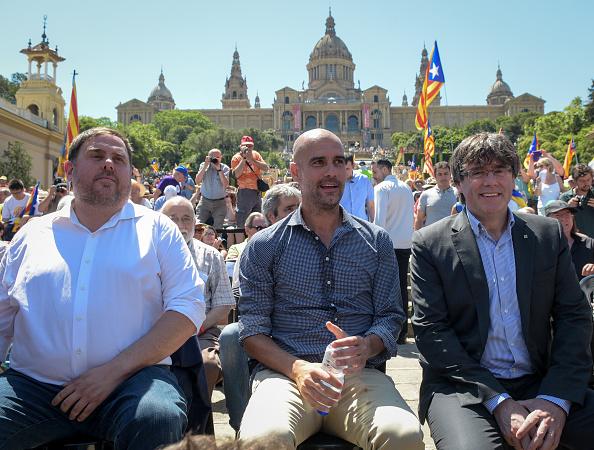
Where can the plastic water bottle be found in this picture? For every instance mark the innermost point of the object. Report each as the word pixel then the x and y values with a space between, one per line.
pixel 330 366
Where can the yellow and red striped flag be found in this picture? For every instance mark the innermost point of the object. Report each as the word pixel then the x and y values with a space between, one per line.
pixel 72 127
pixel 400 156
pixel 569 157
pixel 434 80
pixel 429 146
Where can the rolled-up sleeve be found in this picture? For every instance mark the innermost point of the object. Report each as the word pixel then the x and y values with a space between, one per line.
pixel 388 313
pixel 257 296
pixel 8 308
pixel 182 287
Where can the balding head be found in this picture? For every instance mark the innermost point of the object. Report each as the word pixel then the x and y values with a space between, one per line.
pixel 180 210
pixel 312 138
pixel 319 167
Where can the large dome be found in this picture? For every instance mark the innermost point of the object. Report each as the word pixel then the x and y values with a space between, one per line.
pixel 500 87
pixel 160 92
pixel 330 45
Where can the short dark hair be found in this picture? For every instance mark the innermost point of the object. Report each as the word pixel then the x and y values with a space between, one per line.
pixel 349 159
pixel 581 170
pixel 482 149
pixel 441 165
pixel 384 163
pixel 83 137
pixel 16 185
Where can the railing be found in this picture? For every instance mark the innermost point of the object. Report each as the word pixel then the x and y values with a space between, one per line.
pixel 25 114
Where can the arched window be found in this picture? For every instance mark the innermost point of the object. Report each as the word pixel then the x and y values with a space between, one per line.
pixel 375 99
pixel 377 118
pixel 332 123
pixel 353 124
pixel 34 109
pixel 135 118
pixel 234 95
pixel 55 117
pixel 310 123
pixel 287 120
pixel 287 100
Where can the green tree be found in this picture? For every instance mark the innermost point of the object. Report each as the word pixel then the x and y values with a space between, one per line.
pixel 145 142
pixel 8 87
pixel 15 162
pixel 86 122
pixel 479 126
pixel 176 125
pixel 197 145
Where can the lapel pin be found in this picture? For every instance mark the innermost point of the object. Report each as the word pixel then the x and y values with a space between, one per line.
pixel 525 236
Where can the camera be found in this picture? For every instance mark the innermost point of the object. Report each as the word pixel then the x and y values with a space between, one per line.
pixel 214 160
pixel 583 199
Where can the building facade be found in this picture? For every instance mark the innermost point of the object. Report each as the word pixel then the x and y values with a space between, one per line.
pixel 331 100
pixel 37 119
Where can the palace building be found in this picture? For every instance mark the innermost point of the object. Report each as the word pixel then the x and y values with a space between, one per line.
pixel 332 100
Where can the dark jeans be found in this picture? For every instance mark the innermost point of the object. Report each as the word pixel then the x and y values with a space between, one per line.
pixel 146 411
pixel 248 201
pixel 454 427
pixel 402 257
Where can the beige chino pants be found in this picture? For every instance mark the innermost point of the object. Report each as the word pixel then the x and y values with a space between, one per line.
pixel 371 413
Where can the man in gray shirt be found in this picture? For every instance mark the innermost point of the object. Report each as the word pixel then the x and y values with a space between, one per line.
pixel 436 202
pixel 214 176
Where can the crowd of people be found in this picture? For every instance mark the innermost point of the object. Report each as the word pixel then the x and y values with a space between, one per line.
pixel 114 288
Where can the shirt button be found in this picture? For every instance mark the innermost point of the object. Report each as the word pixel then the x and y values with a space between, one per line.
pixel 317 238
pixel 505 311
pixel 78 352
pixel 327 259
pixel 328 282
pixel 332 304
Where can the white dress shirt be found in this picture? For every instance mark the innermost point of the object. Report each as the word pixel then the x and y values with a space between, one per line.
pixel 394 210
pixel 71 300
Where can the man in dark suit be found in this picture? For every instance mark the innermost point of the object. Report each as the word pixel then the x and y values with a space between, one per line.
pixel 501 323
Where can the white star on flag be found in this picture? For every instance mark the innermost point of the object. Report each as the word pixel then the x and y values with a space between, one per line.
pixel 434 71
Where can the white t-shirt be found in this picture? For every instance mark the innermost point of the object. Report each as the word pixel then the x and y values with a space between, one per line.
pixel 13 207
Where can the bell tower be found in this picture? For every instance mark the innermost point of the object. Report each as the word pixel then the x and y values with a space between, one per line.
pixel 39 94
pixel 235 96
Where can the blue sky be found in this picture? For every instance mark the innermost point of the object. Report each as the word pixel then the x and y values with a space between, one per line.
pixel 118 47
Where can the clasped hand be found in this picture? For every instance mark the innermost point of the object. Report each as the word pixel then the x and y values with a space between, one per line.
pixel 530 424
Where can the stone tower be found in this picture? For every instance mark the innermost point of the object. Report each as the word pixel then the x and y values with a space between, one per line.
pixel 420 79
pixel 39 94
pixel 235 96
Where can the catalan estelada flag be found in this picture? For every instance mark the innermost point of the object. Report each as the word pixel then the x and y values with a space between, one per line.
pixel 413 173
pixel 155 165
pixel 519 199
pixel 29 209
pixel 569 157
pixel 434 80
pixel 532 152
pixel 429 146
pixel 72 127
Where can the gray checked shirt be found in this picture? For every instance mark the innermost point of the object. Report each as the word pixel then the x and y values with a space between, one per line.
pixel 291 284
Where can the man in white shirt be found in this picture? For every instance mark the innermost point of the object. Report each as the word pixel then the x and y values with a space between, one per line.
pixel 394 213
pixel 13 206
pixel 217 295
pixel 94 299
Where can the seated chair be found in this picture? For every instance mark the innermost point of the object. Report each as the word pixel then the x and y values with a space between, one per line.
pixel 188 368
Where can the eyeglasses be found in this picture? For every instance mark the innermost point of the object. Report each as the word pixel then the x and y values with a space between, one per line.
pixel 259 227
pixel 481 174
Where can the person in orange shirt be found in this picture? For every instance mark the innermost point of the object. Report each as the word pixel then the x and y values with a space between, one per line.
pixel 247 165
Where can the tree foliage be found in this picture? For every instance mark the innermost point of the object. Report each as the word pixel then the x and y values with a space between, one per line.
pixel 86 123
pixel 8 87
pixel 15 162
pixel 589 112
pixel 176 125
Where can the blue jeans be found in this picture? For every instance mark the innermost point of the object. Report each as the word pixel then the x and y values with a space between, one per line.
pixel 146 411
pixel 236 374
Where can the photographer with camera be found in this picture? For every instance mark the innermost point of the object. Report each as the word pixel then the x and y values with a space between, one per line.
pixel 247 166
pixel 213 178
pixel 582 198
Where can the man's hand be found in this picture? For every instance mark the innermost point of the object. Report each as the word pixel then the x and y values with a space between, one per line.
pixel 549 420
pixel 309 377
pixel 510 416
pixel 574 201
pixel 207 163
pixel 588 269
pixel 354 350
pixel 82 396
pixel 591 203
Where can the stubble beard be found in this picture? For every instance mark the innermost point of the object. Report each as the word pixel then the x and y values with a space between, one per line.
pixel 89 194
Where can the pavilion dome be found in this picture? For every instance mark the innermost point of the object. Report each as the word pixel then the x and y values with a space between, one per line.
pixel 160 92
pixel 330 45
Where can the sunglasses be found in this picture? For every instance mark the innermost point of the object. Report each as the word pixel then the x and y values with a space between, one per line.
pixel 259 227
